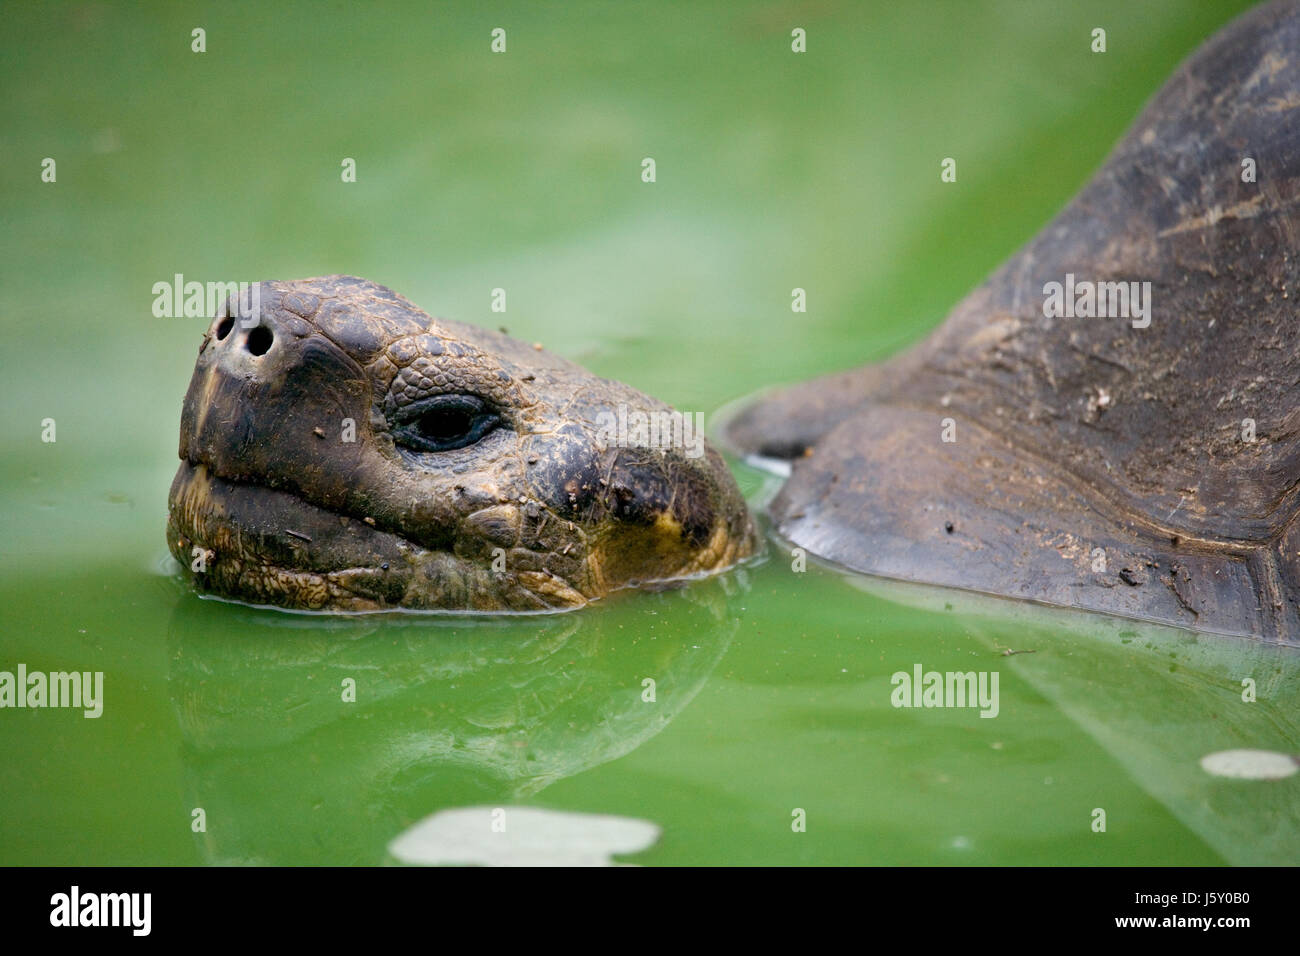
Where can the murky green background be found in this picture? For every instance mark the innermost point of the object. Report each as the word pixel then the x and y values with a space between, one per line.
pixel 522 171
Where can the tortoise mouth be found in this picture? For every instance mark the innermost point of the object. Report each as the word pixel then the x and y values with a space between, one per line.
pixel 267 546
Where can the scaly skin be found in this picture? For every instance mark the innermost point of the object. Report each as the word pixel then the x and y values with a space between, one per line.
pixel 1145 469
pixel 273 506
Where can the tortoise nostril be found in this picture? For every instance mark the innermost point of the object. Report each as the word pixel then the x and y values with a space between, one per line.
pixel 259 340
pixel 224 327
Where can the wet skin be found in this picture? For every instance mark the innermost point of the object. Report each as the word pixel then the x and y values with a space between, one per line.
pixel 1144 464
pixel 342 450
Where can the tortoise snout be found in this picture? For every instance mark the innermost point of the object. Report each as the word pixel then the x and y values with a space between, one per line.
pixel 267 346
pixel 244 345
pixel 254 334
pixel 268 387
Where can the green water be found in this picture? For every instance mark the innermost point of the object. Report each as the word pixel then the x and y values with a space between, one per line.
pixel 522 171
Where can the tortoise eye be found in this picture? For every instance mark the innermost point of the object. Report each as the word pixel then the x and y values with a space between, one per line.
pixel 444 423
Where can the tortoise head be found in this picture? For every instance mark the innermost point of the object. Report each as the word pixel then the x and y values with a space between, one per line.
pixel 342 450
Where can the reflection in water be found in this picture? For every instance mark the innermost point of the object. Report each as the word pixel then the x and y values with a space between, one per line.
pixel 448 711
pixel 521 836
pixel 1158 699
pixel 1250 764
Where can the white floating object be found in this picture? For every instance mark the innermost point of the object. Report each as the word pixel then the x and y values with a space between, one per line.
pixel 1250 764
pixel 520 836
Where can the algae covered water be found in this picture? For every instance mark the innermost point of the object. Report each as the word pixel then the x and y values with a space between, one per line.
pixel 756 717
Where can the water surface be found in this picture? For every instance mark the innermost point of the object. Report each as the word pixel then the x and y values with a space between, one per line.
pixel 522 171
